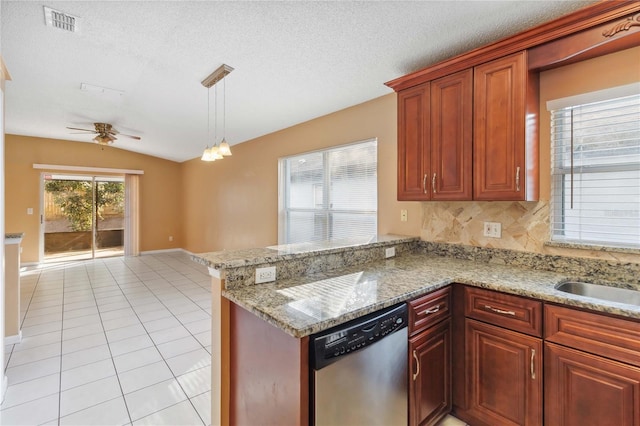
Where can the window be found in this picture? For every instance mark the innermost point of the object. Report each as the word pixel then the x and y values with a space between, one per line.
pixel 329 194
pixel 596 169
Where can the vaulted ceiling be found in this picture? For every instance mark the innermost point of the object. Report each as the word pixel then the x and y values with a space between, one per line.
pixel 294 61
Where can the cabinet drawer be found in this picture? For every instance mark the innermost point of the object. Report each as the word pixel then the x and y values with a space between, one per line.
pixel 429 309
pixel 504 310
pixel 613 338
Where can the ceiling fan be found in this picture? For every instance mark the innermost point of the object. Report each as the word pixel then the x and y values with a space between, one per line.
pixel 105 132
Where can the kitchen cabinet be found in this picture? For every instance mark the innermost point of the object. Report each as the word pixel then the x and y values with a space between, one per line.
pixel 592 369
pixel 464 136
pixel 451 137
pixel 435 139
pixel 503 364
pixel 430 358
pixel 505 159
pixel 413 143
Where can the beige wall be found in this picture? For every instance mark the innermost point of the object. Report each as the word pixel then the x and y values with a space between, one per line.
pixel 525 225
pixel 160 188
pixel 233 203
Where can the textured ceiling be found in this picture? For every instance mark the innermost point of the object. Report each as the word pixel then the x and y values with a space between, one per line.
pixel 293 61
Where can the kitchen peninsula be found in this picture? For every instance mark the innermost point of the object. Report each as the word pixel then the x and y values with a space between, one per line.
pixel 324 284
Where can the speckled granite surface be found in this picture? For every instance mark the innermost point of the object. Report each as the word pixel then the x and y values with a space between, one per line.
pixel 237 267
pixel 13 238
pixel 313 303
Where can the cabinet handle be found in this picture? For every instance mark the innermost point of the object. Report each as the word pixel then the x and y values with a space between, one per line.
pixel 533 368
pixel 424 183
pixel 433 183
pixel 431 311
pixel 518 179
pixel 417 365
pixel 499 311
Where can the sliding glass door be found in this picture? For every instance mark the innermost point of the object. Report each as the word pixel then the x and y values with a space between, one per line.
pixel 83 217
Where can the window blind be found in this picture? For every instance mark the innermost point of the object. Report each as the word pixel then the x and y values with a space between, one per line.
pixel 596 172
pixel 330 194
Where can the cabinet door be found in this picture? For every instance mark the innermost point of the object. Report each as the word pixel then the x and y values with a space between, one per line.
pixel 505 375
pixel 499 129
pixel 430 381
pixel 413 143
pixel 587 390
pixel 451 136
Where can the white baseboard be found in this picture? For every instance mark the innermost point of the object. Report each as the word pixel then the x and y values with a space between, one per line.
pixel 12 340
pixel 142 253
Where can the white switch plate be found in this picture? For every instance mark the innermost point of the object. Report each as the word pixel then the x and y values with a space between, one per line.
pixel 492 229
pixel 389 252
pixel 265 275
pixel 403 215
pixel 30 210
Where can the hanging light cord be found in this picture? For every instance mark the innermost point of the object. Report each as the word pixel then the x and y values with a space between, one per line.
pixel 215 116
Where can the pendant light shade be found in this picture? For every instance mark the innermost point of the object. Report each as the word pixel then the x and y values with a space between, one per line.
pixel 225 149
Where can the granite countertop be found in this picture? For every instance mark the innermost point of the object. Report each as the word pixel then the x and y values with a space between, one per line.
pixel 220 260
pixel 313 303
pixel 13 237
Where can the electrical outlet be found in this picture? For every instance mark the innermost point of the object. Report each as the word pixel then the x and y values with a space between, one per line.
pixel 389 252
pixel 170 237
pixel 30 210
pixel 265 275
pixel 403 215
pixel 492 229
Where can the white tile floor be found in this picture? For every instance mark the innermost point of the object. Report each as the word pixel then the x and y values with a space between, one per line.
pixel 114 341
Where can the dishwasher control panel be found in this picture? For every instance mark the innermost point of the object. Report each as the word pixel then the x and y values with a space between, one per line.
pixel 356 335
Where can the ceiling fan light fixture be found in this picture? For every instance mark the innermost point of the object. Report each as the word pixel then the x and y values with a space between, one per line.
pixel 104 139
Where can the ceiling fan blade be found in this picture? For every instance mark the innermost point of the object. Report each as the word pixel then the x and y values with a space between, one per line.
pixel 84 130
pixel 130 136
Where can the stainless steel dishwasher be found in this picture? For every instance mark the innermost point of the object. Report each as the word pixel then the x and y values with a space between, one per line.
pixel 359 371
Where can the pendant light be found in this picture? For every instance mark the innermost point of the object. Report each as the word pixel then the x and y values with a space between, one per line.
pixel 224 150
pixel 207 155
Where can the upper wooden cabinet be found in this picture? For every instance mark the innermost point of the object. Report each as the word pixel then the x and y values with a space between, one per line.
pixel 451 136
pixel 501 110
pixel 413 143
pixel 505 154
pixel 435 139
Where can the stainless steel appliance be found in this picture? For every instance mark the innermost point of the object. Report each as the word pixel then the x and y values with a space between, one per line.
pixel 359 371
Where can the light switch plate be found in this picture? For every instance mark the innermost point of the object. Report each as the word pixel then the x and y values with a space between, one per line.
pixel 492 229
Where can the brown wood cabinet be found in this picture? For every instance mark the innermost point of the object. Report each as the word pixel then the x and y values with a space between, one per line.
pixel 413 143
pixel 435 139
pixel 503 365
pixel 430 358
pixel 592 369
pixel 451 137
pixel 505 373
pixel 588 390
pixel 505 159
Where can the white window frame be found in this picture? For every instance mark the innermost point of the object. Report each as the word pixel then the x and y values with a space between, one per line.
pixel 559 173
pixel 283 208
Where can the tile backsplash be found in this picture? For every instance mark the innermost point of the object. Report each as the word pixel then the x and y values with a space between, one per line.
pixel 525 227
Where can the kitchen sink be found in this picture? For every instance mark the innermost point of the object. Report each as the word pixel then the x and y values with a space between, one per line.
pixel 597 291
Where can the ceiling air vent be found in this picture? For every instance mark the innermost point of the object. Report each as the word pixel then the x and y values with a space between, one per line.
pixel 60 20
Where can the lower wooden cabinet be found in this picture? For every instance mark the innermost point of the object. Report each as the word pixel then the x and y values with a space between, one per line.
pixel 589 390
pixel 430 381
pixel 504 373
